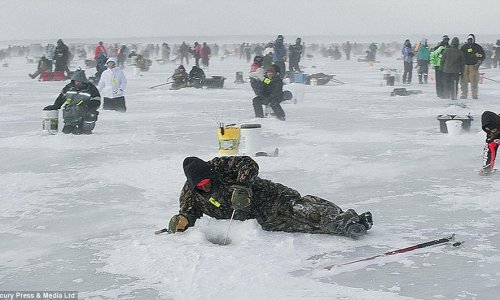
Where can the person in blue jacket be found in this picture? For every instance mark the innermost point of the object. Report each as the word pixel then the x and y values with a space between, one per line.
pixel 280 55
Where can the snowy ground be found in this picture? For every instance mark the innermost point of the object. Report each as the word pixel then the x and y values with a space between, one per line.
pixel 79 212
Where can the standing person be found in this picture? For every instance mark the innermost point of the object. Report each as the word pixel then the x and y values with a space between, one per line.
pixel 205 55
pixel 230 186
pixel 100 50
pixel 423 57
pixel 408 54
pixel 62 55
pixel 184 50
pixel 165 52
pixel 81 100
pixel 197 54
pixel 272 94
pixel 347 49
pixel 279 55
pixel 268 55
pixel 452 65
pixel 435 58
pixel 490 123
pixel 496 54
pixel 122 56
pixel 295 51
pixel 474 56
pixel 44 65
pixel 112 86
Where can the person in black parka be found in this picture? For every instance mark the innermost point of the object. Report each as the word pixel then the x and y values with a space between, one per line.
pixel 272 94
pixel 230 184
pixel 81 100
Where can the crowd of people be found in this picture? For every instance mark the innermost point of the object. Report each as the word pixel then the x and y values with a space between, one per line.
pixel 229 187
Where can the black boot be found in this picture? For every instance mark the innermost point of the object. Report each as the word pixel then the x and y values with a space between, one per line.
pixel 366 219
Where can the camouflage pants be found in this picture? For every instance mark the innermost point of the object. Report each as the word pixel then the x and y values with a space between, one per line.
pixel 308 214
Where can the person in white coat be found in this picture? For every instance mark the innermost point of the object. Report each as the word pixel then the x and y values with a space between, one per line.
pixel 112 86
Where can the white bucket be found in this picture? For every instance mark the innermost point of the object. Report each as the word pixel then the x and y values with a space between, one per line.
pixel 50 121
pixel 250 139
pixel 298 93
pixel 454 127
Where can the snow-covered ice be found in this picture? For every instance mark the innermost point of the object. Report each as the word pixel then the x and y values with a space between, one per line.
pixel 79 212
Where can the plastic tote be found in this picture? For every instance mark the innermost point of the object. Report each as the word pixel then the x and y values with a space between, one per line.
pixel 50 121
pixel 229 139
pixel 454 127
pixel 250 139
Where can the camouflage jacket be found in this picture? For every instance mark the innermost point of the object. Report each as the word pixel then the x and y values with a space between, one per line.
pixel 266 201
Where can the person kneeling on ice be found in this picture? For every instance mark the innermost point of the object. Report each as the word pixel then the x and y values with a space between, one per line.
pixel 81 100
pixel 230 185
pixel 491 125
pixel 271 94
pixel 180 78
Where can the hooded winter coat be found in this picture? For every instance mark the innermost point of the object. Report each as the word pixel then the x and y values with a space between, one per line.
pixel 452 60
pixel 473 52
pixel 112 82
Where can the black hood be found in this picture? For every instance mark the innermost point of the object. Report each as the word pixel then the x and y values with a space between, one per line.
pixel 490 120
pixel 196 170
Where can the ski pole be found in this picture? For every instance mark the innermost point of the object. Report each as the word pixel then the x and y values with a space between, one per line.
pixel 229 227
pixel 402 250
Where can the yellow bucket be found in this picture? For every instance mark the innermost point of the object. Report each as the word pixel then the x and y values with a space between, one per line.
pixel 229 139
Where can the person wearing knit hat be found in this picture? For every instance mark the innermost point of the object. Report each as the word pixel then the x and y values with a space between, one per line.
pixel 229 187
pixel 474 56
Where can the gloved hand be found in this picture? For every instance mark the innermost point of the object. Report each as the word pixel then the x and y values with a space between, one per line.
pixel 117 91
pixel 50 107
pixel 240 197
pixel 178 223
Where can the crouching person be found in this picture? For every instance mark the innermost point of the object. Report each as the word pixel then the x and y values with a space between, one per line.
pixel 490 122
pixel 81 100
pixel 231 183
pixel 271 94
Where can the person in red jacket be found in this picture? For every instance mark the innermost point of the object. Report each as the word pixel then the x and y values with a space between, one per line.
pixel 205 55
pixel 100 49
pixel 197 53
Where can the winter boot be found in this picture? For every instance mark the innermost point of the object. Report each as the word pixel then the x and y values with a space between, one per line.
pixel 366 219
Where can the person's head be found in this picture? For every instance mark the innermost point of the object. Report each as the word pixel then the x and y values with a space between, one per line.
pixel 271 71
pixel 258 60
pixel 407 43
pixel 181 68
pixel 445 41
pixel 100 43
pixel 59 42
pixel 79 79
pixel 471 39
pixel 111 62
pixel 298 41
pixel 423 42
pixel 455 42
pixel 198 173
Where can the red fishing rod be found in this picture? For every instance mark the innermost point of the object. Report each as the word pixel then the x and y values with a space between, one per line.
pixel 447 239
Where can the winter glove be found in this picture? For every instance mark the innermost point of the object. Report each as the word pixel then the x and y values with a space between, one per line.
pixel 178 223
pixel 117 91
pixel 240 197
